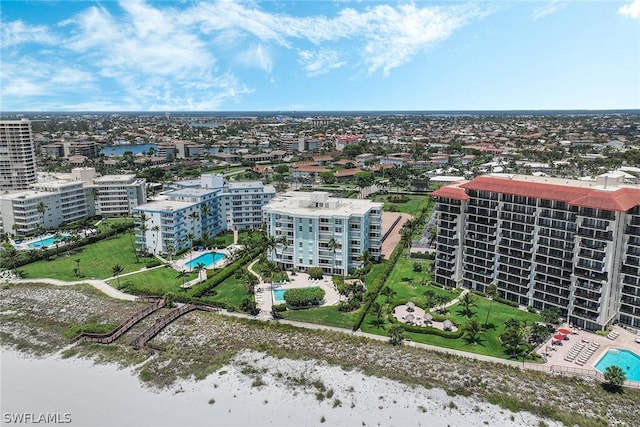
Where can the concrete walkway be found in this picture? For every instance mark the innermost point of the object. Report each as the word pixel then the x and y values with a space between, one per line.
pixel 101 285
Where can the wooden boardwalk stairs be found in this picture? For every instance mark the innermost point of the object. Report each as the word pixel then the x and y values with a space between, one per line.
pixel 157 304
pixel 162 322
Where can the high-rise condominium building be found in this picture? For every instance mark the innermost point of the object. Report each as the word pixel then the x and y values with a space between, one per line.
pixel 545 242
pixel 199 209
pixel 322 231
pixel 17 155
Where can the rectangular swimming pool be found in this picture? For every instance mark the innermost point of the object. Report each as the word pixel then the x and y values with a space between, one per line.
pixel 43 243
pixel 627 360
pixel 208 259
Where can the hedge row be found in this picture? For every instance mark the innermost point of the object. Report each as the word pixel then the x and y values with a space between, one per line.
pixel 378 284
pixel 304 297
pixel 202 288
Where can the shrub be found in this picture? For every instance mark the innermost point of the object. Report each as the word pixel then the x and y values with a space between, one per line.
pixel 315 272
pixel 279 307
pixel 153 263
pixel 304 297
pixel 417 267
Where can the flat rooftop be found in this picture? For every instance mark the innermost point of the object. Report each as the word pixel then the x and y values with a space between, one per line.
pixel 303 203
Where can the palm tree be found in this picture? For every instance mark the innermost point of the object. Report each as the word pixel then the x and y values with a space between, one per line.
pixel 614 377
pixel 283 243
pixel 117 269
pixel 78 267
pixel 143 229
pixel 334 245
pixel 182 275
pixel 190 237
pixel 405 238
pixel 366 258
pixel 492 292
pixel 156 230
pixel 472 330
pixel 467 302
pixel 395 334
pixel 170 251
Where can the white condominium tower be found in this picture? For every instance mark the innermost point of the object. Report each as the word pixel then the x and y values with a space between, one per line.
pixel 322 231
pixel 545 242
pixel 17 155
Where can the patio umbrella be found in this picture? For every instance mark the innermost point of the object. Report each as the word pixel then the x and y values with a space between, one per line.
pixel 564 331
pixel 447 325
pixel 411 306
pixel 409 318
pixel 558 337
pixel 428 317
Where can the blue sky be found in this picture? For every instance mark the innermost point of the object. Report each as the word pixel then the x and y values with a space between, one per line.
pixel 281 55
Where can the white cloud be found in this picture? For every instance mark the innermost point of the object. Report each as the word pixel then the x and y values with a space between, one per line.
pixel 548 9
pixel 256 57
pixel 321 62
pixel 17 32
pixel 632 10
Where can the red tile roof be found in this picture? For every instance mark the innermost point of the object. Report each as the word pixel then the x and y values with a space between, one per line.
pixel 562 193
pixel 620 200
pixel 451 192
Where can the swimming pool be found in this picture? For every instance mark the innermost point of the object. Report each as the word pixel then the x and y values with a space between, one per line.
pixel 278 294
pixel 625 359
pixel 208 259
pixel 49 241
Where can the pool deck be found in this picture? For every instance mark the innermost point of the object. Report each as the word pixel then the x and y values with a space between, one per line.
pixel 265 298
pixel 555 354
pixel 181 264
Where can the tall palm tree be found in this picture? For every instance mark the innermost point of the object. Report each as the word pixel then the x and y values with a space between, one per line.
pixel 283 244
pixel 116 270
pixel 78 267
pixel 333 245
pixel 492 292
pixel 190 237
pixel 170 251
pixel 366 258
pixel 156 230
pixel 182 275
pixel 405 237
pixel 143 229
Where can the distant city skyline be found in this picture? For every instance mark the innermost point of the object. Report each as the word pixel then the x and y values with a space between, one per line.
pixel 229 55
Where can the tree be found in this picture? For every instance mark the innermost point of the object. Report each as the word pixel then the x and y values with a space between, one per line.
pixel 550 315
pixel 405 238
pixel 472 330
pixel 614 377
pixel 182 275
pixel 116 270
pixel 467 302
pixel 190 237
pixel 77 271
pixel 249 305
pixel 364 179
pixel 156 230
pixel 327 177
pixel 492 292
pixel 512 337
pixel 396 334
pixel 333 245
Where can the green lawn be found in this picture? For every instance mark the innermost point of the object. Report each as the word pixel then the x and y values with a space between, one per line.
pixel 329 316
pixel 489 342
pixel 107 223
pixel 96 261
pixel 232 291
pixel 157 281
pixel 412 206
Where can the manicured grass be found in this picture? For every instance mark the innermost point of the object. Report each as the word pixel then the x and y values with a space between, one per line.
pixel 96 261
pixel 489 342
pixel 157 281
pixel 232 291
pixel 107 223
pixel 412 206
pixel 408 284
pixel 329 316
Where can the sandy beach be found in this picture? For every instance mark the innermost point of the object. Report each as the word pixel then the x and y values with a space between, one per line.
pixel 103 395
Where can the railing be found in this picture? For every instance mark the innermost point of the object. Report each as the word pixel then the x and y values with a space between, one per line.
pixel 162 322
pixel 110 337
pixel 386 234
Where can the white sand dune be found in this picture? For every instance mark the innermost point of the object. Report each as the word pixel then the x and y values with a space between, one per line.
pixel 102 395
